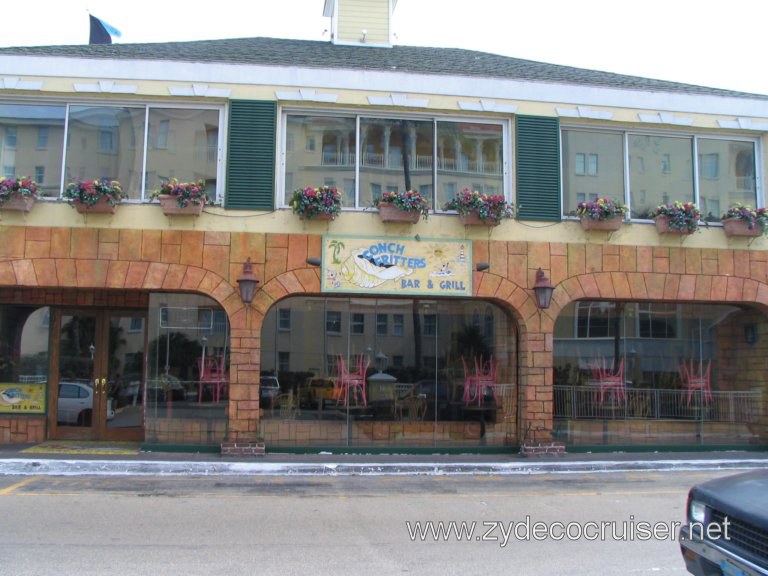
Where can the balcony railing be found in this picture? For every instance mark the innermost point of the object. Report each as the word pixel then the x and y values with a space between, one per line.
pixel 418 162
pixel 582 402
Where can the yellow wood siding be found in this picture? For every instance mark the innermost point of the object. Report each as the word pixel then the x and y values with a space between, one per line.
pixel 354 16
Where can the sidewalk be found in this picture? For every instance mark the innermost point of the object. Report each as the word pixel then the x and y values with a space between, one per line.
pixel 13 461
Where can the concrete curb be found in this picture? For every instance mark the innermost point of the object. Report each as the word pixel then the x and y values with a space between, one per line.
pixel 69 467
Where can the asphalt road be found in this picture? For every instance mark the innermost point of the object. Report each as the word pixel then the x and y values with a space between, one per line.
pixel 375 525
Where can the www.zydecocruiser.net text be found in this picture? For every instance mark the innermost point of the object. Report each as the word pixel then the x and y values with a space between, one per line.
pixel 526 530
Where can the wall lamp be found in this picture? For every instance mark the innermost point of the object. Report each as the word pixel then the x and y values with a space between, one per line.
pixel 482 266
pixel 543 290
pixel 314 261
pixel 247 283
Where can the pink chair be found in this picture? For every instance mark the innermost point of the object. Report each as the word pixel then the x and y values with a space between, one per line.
pixel 608 381
pixel 472 391
pixel 696 380
pixel 212 373
pixel 352 382
pixel 485 373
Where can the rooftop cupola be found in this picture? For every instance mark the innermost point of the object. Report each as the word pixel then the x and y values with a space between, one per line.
pixel 361 22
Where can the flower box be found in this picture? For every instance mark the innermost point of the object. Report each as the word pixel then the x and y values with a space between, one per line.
pixel 321 203
pixel 18 203
pixel 17 193
pixel 99 196
pixel 182 198
pixel 676 218
pixel 471 205
pixel 610 224
pixel 739 227
pixel 473 219
pixel 170 206
pixel 391 213
pixel 663 227
pixel 102 206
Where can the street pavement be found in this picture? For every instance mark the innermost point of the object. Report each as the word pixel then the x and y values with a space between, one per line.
pixel 14 461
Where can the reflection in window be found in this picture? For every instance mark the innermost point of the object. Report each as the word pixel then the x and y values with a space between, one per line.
pixel 37 133
pixel 660 170
pixel 95 133
pixel 394 154
pixel 284 319
pixel 332 322
pixel 581 150
pixel 657 320
pixel 595 319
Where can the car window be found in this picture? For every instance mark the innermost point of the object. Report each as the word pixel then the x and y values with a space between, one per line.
pixel 68 391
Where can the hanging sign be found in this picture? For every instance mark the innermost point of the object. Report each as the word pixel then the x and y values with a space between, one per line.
pixel 402 266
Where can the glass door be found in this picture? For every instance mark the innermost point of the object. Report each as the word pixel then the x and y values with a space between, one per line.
pixel 97 384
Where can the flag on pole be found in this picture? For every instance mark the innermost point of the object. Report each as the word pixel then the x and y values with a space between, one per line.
pixel 101 32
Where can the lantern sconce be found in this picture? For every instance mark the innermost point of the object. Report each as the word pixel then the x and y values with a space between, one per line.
pixel 247 283
pixel 543 290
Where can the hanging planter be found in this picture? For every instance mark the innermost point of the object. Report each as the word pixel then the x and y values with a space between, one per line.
pixel 321 203
pixel 391 213
pixel 663 227
pixel 610 224
pixel 676 218
pixel 17 194
pixel 101 206
pixel 477 209
pixel 739 227
pixel 95 196
pixel 170 206
pixel 406 206
pixel 18 203
pixel 601 214
pixel 743 220
pixel 182 198
pixel 473 219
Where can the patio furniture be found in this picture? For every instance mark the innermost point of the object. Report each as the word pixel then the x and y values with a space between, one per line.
pixel 696 378
pixel 607 381
pixel 213 373
pixel 352 382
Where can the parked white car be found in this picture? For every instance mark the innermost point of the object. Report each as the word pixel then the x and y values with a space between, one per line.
pixel 75 405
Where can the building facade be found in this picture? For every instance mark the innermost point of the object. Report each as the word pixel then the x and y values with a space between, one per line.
pixel 131 324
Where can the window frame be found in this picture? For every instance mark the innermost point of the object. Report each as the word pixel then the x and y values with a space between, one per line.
pixel 146 106
pixel 282 198
pixel 692 136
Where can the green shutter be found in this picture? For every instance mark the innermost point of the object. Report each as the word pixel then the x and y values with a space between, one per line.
pixel 538 168
pixel 251 155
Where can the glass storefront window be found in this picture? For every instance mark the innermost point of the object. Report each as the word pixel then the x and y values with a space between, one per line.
pixel 23 359
pixel 31 144
pixel 187 370
pixel 690 374
pixel 412 358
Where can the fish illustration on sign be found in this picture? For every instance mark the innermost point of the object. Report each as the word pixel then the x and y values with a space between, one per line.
pixel 13 396
pixel 365 273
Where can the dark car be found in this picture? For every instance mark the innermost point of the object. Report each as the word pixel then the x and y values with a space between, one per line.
pixel 726 529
